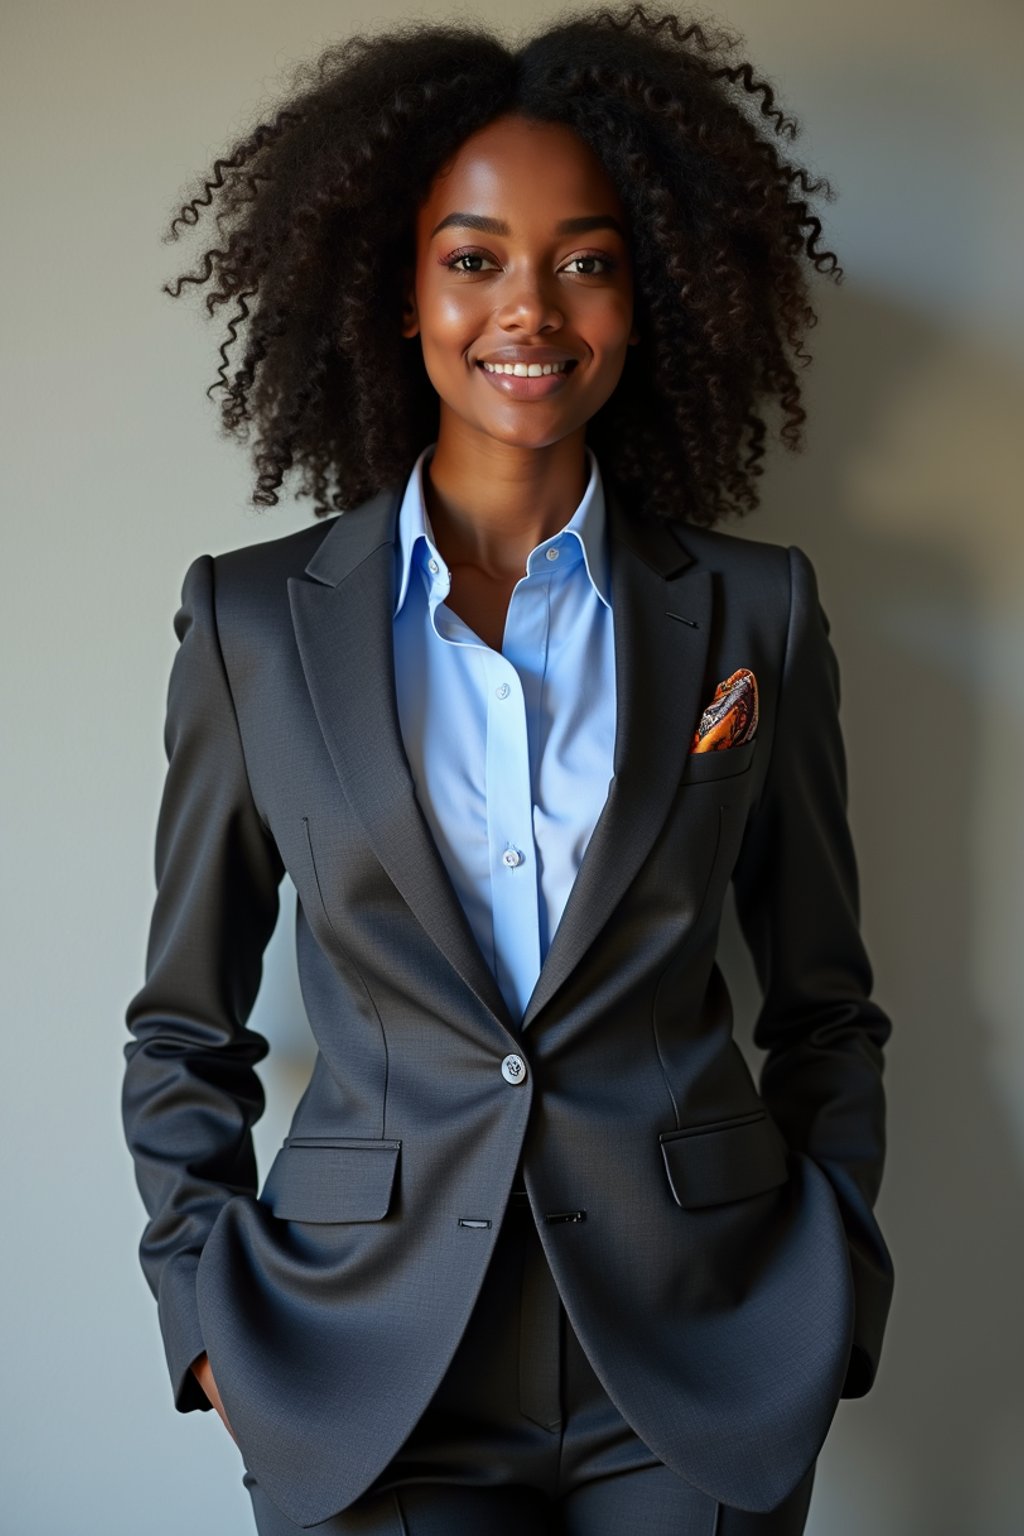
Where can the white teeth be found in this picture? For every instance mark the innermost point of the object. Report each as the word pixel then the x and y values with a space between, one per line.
pixel 524 370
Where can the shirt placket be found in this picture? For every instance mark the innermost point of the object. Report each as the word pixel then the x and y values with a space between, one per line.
pixel 510 684
pixel 512 677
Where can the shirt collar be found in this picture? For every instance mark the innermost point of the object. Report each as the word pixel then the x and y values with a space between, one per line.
pixel 587 526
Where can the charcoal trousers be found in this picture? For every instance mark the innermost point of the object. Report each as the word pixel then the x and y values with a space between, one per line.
pixel 521 1439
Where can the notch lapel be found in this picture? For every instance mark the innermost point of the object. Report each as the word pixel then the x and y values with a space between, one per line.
pixel 661 604
pixel 343 621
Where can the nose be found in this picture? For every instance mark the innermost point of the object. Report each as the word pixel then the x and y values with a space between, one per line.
pixel 530 304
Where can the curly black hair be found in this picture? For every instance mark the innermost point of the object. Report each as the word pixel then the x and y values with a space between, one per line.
pixel 316 214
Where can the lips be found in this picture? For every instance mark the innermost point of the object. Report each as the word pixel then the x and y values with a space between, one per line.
pixel 517 386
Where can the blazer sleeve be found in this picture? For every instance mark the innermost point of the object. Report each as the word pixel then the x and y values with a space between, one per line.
pixel 190 1094
pixel 797 902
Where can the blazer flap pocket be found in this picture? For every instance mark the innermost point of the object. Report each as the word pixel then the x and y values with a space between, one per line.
pixel 726 1160
pixel 332 1178
pixel 721 764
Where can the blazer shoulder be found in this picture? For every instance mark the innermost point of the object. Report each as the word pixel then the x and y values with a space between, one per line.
pixel 250 585
pixel 272 560
pixel 740 563
pixel 336 543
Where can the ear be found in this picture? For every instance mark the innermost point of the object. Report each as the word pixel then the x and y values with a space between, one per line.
pixel 410 324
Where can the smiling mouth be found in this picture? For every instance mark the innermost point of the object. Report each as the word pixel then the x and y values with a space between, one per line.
pixel 533 382
pixel 527 370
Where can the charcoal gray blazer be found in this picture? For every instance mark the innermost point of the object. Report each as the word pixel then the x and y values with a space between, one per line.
pixel 713 1240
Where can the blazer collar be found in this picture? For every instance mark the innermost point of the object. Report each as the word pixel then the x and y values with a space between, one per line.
pixel 353 536
pixel 343 620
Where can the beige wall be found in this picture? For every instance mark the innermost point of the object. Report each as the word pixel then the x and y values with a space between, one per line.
pixel 908 500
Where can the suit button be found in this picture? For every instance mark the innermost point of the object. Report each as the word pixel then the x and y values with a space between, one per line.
pixel 513 1069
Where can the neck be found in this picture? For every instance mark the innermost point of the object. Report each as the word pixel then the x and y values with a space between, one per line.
pixel 491 503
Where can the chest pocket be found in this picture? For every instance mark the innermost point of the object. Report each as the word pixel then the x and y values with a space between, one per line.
pixel 726 763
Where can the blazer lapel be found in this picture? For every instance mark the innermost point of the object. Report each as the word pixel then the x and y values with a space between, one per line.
pixel 662 600
pixel 343 622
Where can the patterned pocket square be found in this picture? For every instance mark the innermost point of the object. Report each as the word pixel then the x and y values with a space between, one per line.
pixel 731 717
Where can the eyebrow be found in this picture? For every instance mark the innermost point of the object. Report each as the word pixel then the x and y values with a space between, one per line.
pixel 488 226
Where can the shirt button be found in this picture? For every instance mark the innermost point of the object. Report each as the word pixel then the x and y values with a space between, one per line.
pixel 511 857
pixel 513 1069
pixel 433 566
pixel 551 554
pixel 503 690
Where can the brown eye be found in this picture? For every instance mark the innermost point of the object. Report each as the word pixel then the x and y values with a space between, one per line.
pixel 451 262
pixel 608 263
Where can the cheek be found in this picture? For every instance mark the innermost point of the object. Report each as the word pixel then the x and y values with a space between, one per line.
pixel 615 316
pixel 447 315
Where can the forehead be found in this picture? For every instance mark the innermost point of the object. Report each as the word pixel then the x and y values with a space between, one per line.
pixel 515 166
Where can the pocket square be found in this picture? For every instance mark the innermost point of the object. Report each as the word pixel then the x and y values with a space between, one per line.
pixel 731 717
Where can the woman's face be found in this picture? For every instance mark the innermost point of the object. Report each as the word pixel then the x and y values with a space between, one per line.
pixel 522 255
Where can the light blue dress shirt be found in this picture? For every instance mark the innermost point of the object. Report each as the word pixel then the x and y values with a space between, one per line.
pixel 511 752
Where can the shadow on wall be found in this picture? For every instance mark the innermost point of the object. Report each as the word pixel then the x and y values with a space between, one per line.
pixel 909 507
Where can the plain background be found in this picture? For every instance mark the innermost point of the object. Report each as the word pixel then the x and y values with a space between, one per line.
pixel 908 502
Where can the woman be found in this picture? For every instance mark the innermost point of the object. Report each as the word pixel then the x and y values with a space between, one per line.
pixel 536 1254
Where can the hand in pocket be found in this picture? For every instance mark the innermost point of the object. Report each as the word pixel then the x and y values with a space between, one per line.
pixel 204 1375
